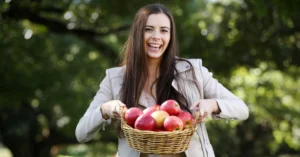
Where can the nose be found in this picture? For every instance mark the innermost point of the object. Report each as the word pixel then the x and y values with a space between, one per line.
pixel 156 35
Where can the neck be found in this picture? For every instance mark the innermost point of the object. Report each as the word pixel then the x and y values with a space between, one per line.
pixel 153 68
pixel 153 74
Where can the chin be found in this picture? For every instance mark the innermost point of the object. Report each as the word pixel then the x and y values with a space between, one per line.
pixel 155 56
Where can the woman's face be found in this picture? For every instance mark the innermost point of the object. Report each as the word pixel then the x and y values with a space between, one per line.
pixel 157 35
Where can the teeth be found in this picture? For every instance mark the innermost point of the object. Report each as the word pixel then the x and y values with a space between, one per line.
pixel 154 45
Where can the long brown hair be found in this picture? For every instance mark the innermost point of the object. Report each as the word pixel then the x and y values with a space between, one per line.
pixel 135 60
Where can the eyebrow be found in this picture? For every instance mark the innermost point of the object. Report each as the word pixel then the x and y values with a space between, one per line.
pixel 165 27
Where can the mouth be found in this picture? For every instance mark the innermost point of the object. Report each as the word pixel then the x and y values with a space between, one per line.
pixel 154 47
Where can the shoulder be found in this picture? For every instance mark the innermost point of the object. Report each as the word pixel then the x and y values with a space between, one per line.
pixel 196 62
pixel 115 72
pixel 183 64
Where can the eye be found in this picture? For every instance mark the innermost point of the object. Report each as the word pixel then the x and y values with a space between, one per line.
pixel 148 29
pixel 165 30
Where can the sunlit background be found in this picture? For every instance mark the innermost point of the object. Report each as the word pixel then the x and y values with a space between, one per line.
pixel 54 54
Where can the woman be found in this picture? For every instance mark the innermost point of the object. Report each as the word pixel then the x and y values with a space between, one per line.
pixel 152 73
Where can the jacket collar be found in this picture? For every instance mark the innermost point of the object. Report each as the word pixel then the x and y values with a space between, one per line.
pixel 182 66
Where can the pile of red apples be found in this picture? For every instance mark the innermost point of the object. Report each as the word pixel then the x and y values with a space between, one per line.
pixel 165 117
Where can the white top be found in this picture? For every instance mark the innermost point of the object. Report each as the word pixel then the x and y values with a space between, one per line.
pixel 147 100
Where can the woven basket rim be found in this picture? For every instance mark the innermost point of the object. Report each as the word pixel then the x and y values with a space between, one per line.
pixel 123 122
pixel 158 146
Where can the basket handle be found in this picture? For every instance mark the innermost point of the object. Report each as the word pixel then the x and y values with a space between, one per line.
pixel 122 113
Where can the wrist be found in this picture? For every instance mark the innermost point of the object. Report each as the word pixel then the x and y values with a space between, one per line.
pixel 216 109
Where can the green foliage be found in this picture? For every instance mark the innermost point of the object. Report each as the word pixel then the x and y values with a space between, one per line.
pixel 54 55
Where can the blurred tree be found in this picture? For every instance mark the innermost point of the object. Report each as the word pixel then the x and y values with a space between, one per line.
pixel 54 55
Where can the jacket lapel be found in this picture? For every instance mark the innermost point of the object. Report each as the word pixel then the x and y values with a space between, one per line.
pixel 181 67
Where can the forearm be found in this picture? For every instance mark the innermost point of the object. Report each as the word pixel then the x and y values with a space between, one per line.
pixel 232 109
pixel 89 125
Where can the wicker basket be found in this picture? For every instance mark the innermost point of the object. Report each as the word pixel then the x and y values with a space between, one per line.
pixel 157 142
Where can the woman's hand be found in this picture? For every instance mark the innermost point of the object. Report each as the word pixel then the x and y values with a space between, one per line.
pixel 112 109
pixel 205 107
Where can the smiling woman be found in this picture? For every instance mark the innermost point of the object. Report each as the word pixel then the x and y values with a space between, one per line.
pixel 152 73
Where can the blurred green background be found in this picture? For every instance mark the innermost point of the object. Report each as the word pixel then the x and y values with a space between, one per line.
pixel 53 55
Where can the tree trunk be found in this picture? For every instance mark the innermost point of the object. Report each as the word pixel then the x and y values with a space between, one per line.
pixel 19 131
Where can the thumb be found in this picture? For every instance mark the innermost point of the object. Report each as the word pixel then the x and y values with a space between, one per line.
pixel 120 103
pixel 201 112
pixel 122 107
pixel 195 106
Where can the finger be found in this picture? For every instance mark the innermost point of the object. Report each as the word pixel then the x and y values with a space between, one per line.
pixel 204 117
pixel 203 120
pixel 116 115
pixel 122 105
pixel 118 110
pixel 114 110
pixel 201 112
pixel 200 120
pixel 195 106
pixel 124 110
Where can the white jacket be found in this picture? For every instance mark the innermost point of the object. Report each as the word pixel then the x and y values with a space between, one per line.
pixel 205 87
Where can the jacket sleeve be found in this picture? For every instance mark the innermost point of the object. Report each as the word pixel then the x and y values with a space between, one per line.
pixel 91 122
pixel 231 106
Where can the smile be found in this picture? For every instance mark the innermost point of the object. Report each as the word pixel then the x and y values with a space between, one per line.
pixel 154 47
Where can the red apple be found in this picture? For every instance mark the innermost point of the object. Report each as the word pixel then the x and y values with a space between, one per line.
pixel 172 123
pixel 170 106
pixel 132 114
pixel 159 117
pixel 150 110
pixel 187 119
pixel 145 122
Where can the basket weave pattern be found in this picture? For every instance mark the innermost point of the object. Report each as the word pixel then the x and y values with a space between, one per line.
pixel 157 142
